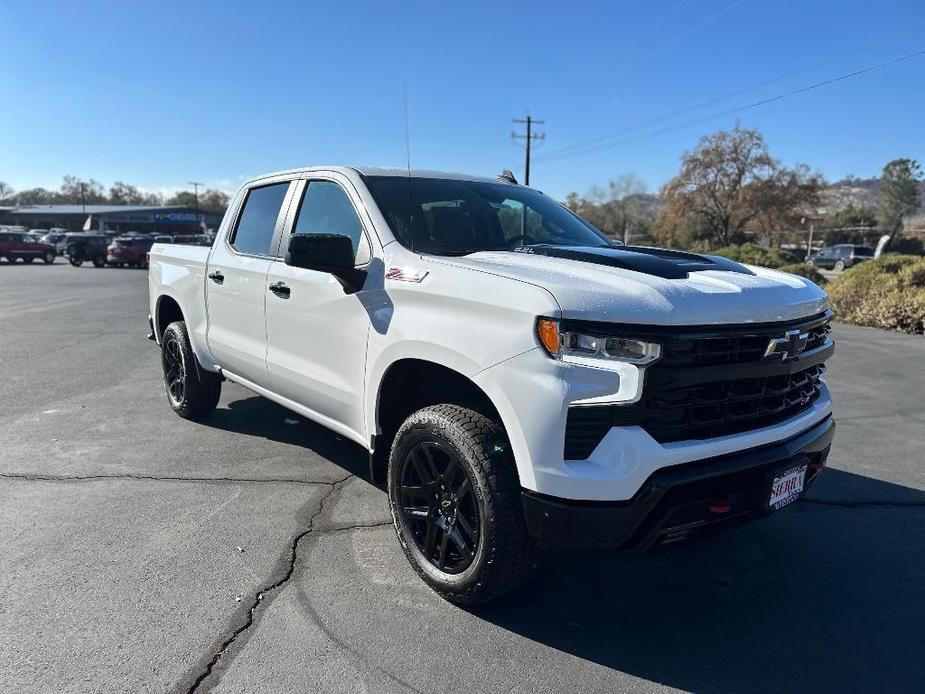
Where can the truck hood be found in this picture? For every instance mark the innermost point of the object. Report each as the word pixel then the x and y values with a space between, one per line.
pixel 616 286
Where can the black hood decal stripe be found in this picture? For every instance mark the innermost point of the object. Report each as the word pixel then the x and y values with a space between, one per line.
pixel 660 262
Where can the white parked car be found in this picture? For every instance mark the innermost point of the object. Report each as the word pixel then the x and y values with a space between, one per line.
pixel 515 376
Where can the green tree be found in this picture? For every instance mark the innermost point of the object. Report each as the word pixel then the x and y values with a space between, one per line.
pixel 851 224
pixel 898 195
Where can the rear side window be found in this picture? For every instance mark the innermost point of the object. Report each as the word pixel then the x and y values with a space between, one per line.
pixel 254 232
pixel 326 209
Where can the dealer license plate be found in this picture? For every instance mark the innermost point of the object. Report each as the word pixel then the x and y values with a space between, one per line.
pixel 787 487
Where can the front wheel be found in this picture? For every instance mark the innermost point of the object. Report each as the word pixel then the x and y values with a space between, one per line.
pixel 455 501
pixel 99 262
pixel 840 266
pixel 49 257
pixel 192 393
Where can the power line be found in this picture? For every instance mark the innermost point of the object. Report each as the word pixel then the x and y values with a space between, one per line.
pixel 600 143
pixel 529 137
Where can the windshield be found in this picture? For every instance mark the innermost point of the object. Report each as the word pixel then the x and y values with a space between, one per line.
pixel 453 217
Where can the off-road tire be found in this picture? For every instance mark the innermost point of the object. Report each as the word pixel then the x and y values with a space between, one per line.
pixel 505 554
pixel 200 389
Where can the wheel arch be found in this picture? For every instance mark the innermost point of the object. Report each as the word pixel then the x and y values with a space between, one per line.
pixel 167 310
pixel 410 384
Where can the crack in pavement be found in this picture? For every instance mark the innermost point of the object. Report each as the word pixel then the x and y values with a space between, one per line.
pixel 156 478
pixel 273 588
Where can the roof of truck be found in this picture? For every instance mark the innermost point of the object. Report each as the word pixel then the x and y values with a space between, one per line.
pixel 382 171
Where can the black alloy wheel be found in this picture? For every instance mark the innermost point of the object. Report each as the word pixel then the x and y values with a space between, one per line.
pixel 174 369
pixel 439 507
pixel 456 504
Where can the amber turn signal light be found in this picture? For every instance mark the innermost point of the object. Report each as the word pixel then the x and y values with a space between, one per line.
pixel 548 332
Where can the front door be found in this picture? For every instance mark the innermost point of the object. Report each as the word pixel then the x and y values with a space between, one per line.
pixel 236 283
pixel 317 333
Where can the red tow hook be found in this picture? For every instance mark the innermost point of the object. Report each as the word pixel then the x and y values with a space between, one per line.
pixel 719 506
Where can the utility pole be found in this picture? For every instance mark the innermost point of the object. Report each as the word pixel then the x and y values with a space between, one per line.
pixel 812 222
pixel 529 137
pixel 196 185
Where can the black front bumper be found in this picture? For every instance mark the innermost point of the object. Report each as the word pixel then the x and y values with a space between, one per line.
pixel 679 501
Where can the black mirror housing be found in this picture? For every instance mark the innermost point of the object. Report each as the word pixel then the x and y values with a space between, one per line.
pixel 331 253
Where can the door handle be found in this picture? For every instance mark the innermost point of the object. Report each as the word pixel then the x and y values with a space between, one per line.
pixel 280 289
pixel 217 277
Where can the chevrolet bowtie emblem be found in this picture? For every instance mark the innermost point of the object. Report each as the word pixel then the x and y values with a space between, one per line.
pixel 789 346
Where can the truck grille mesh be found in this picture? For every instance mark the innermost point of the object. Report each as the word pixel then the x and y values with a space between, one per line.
pixel 671 410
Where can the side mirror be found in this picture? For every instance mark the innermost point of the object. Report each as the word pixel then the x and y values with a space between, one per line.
pixel 331 253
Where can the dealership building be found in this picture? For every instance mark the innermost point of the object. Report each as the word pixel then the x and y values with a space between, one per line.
pixel 169 219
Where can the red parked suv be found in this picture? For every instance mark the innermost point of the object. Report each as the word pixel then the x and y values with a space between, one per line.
pixel 14 244
pixel 129 250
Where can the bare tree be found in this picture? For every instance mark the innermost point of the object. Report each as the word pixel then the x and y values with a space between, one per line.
pixel 616 210
pixel 6 192
pixel 728 184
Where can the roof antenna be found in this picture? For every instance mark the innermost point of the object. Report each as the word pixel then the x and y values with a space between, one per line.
pixel 408 164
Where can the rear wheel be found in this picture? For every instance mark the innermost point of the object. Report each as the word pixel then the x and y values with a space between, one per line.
pixel 455 502
pixel 49 257
pixel 99 262
pixel 28 260
pixel 191 392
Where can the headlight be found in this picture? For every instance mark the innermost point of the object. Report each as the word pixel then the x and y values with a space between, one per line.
pixel 563 345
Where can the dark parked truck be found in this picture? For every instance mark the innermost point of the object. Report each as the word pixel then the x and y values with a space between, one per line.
pixel 87 248
pixel 516 377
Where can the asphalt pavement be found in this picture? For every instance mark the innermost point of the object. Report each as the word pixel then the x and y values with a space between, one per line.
pixel 140 552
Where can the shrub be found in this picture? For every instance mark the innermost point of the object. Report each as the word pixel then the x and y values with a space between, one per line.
pixel 803 270
pixel 753 254
pixel 888 293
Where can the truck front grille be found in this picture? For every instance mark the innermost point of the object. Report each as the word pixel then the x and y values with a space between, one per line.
pixel 710 382
pixel 721 408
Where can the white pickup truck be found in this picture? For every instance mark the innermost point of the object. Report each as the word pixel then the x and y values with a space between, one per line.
pixel 517 377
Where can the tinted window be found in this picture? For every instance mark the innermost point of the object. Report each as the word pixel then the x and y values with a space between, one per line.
pixel 326 209
pixel 456 217
pixel 863 251
pixel 257 222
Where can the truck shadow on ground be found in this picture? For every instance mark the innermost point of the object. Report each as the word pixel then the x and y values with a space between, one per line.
pixel 824 596
pixel 262 418
pixel 821 597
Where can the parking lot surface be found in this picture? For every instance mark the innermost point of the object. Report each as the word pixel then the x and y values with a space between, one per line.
pixel 141 552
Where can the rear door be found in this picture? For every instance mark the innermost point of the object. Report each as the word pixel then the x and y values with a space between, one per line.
pixel 236 282
pixel 316 332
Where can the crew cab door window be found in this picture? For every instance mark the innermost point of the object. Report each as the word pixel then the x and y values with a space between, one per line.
pixel 326 209
pixel 254 231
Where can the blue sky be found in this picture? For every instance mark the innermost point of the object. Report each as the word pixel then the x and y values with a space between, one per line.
pixel 164 93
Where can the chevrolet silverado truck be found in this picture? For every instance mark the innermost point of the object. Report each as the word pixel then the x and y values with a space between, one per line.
pixel 519 379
